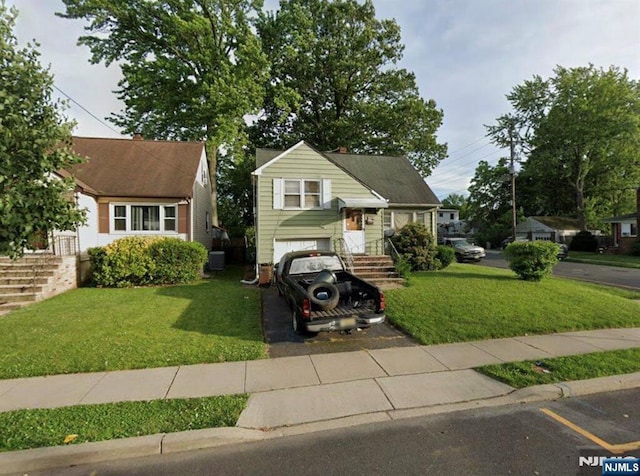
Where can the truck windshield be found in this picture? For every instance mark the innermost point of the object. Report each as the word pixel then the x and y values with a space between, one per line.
pixel 314 264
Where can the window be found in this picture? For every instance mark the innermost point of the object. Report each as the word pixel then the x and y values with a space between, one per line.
pixel 120 218
pixel 302 193
pixel 170 218
pixel 144 218
pixel 452 216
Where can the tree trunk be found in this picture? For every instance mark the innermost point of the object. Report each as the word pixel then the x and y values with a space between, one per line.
pixel 212 162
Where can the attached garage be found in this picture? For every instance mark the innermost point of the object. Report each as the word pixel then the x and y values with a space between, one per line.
pixel 280 247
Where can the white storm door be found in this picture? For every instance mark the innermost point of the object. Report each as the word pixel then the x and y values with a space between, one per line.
pixel 353 231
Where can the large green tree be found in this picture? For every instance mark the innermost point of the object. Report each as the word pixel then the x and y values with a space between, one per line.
pixel 192 69
pixel 489 203
pixel 580 130
pixel 35 141
pixel 335 83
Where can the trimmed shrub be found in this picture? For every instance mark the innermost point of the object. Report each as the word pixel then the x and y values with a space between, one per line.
pixel 531 260
pixel 176 261
pixel 140 261
pixel 635 248
pixel 446 255
pixel 417 245
pixel 584 241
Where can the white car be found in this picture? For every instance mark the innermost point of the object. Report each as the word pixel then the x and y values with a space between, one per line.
pixel 464 250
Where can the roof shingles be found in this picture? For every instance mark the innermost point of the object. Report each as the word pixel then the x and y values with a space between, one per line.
pixel 138 168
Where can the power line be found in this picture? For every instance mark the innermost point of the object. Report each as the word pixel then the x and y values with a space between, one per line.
pixel 86 110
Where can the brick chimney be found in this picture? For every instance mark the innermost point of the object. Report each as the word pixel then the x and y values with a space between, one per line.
pixel 137 136
pixel 342 150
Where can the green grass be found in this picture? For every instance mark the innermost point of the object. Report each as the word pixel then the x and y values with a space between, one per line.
pixel 465 302
pixel 23 429
pixel 562 369
pixel 100 329
pixel 621 261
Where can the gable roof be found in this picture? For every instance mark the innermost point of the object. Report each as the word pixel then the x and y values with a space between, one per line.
pixel 392 177
pixel 137 168
pixel 557 223
pixel 629 217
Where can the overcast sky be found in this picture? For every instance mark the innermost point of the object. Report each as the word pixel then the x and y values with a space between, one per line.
pixel 466 55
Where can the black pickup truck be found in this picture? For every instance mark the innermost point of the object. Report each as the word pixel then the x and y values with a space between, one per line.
pixel 323 296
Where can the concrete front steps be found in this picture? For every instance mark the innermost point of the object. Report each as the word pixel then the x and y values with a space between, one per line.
pixel 32 278
pixel 378 270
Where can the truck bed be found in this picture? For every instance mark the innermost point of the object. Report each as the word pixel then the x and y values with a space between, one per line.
pixel 344 310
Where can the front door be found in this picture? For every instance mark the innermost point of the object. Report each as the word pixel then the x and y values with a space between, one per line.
pixel 354 230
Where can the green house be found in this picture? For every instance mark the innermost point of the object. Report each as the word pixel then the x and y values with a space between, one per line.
pixel 306 199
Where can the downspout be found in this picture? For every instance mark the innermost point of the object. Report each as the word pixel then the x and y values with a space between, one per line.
pixel 255 227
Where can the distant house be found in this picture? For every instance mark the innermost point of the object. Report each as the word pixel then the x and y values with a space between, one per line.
pixel 306 199
pixel 548 228
pixel 624 228
pixel 141 187
pixel 448 215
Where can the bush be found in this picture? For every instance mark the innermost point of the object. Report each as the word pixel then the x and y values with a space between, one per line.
pixel 417 245
pixel 584 241
pixel 176 261
pixel 446 255
pixel 531 260
pixel 139 261
pixel 635 248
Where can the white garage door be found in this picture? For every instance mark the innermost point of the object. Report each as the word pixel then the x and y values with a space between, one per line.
pixel 281 247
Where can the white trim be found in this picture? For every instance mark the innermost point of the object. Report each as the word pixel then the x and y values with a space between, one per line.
pixel 259 170
pixel 128 230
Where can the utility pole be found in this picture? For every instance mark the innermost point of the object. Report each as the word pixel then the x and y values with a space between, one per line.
pixel 512 171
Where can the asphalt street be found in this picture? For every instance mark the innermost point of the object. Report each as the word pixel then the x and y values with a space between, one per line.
pixel 610 275
pixel 547 438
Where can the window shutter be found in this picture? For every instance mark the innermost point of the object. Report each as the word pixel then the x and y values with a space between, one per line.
pixel 277 194
pixel 326 193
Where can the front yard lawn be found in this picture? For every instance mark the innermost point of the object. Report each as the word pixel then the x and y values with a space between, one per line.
pixel 622 261
pixel 564 369
pixel 466 302
pixel 22 429
pixel 99 329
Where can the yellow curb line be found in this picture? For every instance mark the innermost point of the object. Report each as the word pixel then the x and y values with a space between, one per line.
pixel 615 449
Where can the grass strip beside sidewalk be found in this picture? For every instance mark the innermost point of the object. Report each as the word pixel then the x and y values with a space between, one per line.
pixel 24 429
pixel 563 369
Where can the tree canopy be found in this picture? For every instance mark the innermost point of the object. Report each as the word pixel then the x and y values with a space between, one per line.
pixel 35 141
pixel 192 69
pixel 335 83
pixel 580 131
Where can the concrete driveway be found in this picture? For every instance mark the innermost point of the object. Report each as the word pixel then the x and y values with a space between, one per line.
pixel 283 342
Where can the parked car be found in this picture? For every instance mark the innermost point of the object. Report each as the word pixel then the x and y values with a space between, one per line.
pixel 323 296
pixel 507 241
pixel 464 250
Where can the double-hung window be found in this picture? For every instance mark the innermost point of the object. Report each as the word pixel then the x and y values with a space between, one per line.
pixel 301 193
pixel 144 218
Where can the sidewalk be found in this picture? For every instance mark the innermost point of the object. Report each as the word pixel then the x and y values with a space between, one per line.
pixel 313 391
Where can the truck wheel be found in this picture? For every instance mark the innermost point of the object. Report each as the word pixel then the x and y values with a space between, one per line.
pixel 324 296
pixel 459 259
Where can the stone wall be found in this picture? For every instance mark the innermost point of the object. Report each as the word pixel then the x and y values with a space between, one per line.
pixel 64 278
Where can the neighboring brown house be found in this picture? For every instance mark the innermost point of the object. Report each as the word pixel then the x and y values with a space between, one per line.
pixel 142 187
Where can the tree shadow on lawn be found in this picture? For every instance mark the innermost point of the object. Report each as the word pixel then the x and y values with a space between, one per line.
pixel 218 307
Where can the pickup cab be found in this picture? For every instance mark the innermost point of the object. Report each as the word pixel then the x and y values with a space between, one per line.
pixel 324 296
